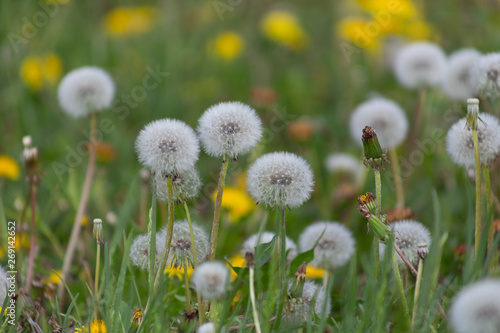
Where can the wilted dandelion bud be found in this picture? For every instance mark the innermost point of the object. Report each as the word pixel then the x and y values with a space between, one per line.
pixel 167 146
pixel 3 285
pixel 137 319
pixel 27 141
pixel 423 250
pixel 408 235
pixel 472 113
pixel 181 250
pixel 460 146
pixel 476 308
pixel 368 200
pixel 344 163
pixel 419 64
pixel 230 128
pixel 97 231
pixel 207 328
pixel 299 309
pixel 385 117
pixel 297 288
pixel 185 185
pixel 373 156
pixel 457 80
pixel 139 251
pixel 280 179
pixel 374 223
pixel 265 237
pixel 86 90
pixel 486 75
pixel 211 279
pixel 334 248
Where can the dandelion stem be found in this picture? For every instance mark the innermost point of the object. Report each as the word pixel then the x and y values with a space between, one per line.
pixel 401 292
pixel 378 198
pixel 152 239
pixel 478 191
pixel 252 299
pixel 489 201
pixel 97 266
pixel 81 206
pixel 186 285
pixel 217 208
pixel 417 291
pixel 31 258
pixel 398 181
pixel 417 119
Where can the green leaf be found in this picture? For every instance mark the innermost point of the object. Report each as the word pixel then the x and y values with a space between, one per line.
pixel 263 252
pixel 306 257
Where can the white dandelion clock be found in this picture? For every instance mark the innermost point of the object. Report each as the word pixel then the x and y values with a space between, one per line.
pixel 408 235
pixel 334 248
pixel 460 146
pixel 265 237
pixel 185 185
pixel 181 249
pixel 230 128
pixel 344 163
pixel 211 279
pixel 486 75
pixel 419 64
pixel 167 146
pixel 300 308
pixel 139 251
pixel 3 285
pixel 280 179
pixel 207 328
pixel 457 80
pixel 86 90
pixel 476 308
pixel 386 118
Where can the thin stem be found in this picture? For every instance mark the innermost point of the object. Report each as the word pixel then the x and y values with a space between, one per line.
pixel 405 260
pixel 252 299
pixel 417 291
pixel 152 238
pixel 31 258
pixel 401 292
pixel 81 206
pixel 143 204
pixel 186 285
pixel 412 138
pixel 97 267
pixel 326 275
pixel 489 201
pixel 283 247
pixel 478 191
pixel 217 208
pixel 398 181
pixel 21 224
pixel 378 198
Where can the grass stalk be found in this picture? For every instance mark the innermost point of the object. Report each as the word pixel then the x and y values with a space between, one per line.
pixel 252 300
pixel 398 181
pixel 217 208
pixel 401 292
pixel 417 291
pixel 186 285
pixel 31 257
pixel 478 192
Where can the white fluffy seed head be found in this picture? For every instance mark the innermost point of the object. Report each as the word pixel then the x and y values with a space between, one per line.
pixel 167 146
pixel 457 80
pixel 86 90
pixel 486 75
pixel 300 308
pixel 265 237
pixel 476 308
pixel 419 64
pixel 409 234
pixel 344 163
pixel 185 185
pixel 181 247
pixel 140 249
pixel 231 128
pixel 386 118
pixel 460 146
pixel 334 248
pixel 3 285
pixel 280 179
pixel 211 279
pixel 207 328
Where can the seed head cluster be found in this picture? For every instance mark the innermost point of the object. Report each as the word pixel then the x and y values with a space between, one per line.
pixel 300 310
pixel 185 185
pixel 486 75
pixel 457 80
pixel 139 251
pixel 211 279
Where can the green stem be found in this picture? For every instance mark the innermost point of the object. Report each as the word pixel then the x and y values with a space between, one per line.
pixel 282 256
pixel 401 292
pixel 217 208
pixel 478 191
pixel 186 285
pixel 398 181
pixel 31 256
pixel 252 299
pixel 417 291
pixel 152 238
pixel 378 198
pixel 97 267
pixel 489 200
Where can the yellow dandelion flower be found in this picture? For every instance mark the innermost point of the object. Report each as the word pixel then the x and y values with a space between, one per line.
pixel 354 30
pixel 178 272
pixel 54 277
pixel 123 21
pixel 283 27
pixel 314 272
pixel 237 202
pixel 9 168
pixel 97 326
pixel 31 73
pixel 228 45
pixel 236 261
pixel 51 68
pixel 400 8
pixel 85 221
pixel 418 30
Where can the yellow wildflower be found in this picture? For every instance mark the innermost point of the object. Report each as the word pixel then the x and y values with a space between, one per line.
pixel 178 272
pixel 418 30
pixel 123 21
pixel 52 68
pixel 8 167
pixel 354 30
pixel 97 326
pixel 283 27
pixel 55 277
pixel 228 45
pixel 236 261
pixel 314 272
pixel 236 201
pixel 31 73
pixel 85 221
pixel 401 8
pixel 36 70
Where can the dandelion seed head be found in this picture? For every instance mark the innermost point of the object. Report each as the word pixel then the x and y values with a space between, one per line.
pixel 385 117
pixel 167 146
pixel 486 75
pixel 207 328
pixel 211 279
pixel 265 237
pixel 86 90
pixel 280 179
pixel 460 146
pixel 419 64
pixel 457 77
pixel 476 308
pixel 300 308
pixel 231 128
pixel 345 163
pixel 139 251
pixel 185 185
pixel 334 248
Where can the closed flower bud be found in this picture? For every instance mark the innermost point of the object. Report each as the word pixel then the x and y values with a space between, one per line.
pixel 97 231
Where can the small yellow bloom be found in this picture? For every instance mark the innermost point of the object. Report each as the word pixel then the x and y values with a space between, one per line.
pixel 314 272
pixel 178 272
pixel 55 277
pixel 399 8
pixel 97 326
pixel 36 70
pixel 237 202
pixel 228 45
pixel 8 168
pixel 85 221
pixel 418 30
pixel 283 27
pixel 354 29
pixel 236 261
pixel 52 68
pixel 123 21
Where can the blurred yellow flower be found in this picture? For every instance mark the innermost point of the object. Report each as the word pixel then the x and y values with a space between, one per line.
pixel 236 261
pixel 314 272
pixel 236 201
pixel 228 45
pixel 178 272
pixel 54 277
pixel 399 8
pixel 283 27
pixel 97 326
pixel 123 21
pixel 418 30
pixel 8 167
pixel 85 221
pixel 35 70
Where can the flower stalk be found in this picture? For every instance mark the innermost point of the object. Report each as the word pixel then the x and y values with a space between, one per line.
pixel 218 207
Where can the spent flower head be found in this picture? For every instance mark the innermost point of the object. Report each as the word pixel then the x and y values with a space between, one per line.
pixel 457 80
pixel 139 251
pixel 97 231
pixel 211 279
pixel 344 163
pixel 313 300
pixel 280 179
pixel 207 328
pixel 265 237
pixel 486 75
pixel 185 185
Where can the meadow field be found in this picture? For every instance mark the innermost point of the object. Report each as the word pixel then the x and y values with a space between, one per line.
pixel 154 155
